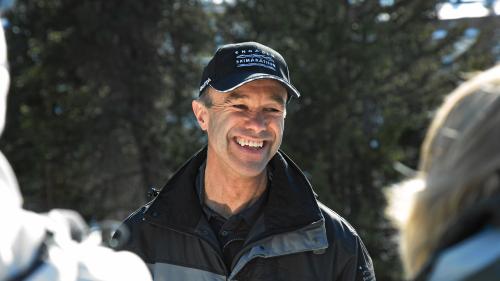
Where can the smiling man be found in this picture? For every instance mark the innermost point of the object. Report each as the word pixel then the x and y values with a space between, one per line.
pixel 240 209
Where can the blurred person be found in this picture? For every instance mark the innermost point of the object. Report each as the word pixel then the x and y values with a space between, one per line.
pixel 449 213
pixel 240 209
pixel 47 246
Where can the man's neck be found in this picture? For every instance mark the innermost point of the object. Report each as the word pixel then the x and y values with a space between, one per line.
pixel 228 194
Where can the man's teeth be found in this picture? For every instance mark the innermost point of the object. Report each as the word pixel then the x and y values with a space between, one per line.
pixel 244 142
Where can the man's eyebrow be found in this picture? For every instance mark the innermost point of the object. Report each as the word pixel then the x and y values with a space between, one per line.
pixel 236 96
pixel 278 98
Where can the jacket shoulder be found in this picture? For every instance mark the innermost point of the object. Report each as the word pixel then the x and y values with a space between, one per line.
pixel 137 215
pixel 345 242
pixel 341 233
pixel 123 236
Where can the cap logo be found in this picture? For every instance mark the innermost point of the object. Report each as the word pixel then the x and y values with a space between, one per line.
pixel 205 84
pixel 246 58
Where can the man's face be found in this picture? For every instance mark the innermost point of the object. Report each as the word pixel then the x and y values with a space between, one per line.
pixel 244 127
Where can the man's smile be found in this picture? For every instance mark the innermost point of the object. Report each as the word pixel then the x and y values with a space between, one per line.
pixel 257 144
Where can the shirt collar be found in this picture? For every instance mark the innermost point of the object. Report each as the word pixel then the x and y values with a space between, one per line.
pixel 249 214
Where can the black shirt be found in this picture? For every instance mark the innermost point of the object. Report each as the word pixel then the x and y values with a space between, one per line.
pixel 233 231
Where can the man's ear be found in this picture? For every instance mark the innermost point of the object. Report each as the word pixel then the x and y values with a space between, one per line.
pixel 201 113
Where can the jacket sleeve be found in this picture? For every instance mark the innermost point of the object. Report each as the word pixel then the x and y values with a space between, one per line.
pixel 349 258
pixel 360 266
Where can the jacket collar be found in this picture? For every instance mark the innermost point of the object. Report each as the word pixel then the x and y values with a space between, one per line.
pixel 291 203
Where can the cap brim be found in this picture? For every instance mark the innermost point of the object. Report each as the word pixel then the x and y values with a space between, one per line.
pixel 234 81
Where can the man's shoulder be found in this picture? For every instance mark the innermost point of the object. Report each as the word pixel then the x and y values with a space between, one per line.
pixel 126 233
pixel 133 221
pixel 335 220
pixel 137 216
pixel 338 229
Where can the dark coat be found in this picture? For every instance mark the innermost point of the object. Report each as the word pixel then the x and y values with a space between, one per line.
pixel 295 237
pixel 469 249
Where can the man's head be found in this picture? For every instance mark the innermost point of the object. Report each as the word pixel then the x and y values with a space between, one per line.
pixel 242 107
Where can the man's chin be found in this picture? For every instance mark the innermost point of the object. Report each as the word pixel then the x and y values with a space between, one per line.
pixel 251 169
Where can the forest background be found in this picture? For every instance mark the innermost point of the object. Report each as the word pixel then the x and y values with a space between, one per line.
pixel 99 106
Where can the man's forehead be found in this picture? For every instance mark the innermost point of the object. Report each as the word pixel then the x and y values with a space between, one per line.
pixel 238 94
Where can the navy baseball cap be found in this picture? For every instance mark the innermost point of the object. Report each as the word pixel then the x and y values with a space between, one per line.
pixel 236 64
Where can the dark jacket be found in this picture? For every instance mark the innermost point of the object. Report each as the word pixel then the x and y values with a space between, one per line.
pixel 295 238
pixel 470 248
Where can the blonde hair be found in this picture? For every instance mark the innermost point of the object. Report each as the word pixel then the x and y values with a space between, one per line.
pixel 460 158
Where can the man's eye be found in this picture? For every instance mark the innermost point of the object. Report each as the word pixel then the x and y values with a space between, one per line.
pixel 271 109
pixel 240 106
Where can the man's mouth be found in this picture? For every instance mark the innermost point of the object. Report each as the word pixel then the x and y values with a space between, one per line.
pixel 256 144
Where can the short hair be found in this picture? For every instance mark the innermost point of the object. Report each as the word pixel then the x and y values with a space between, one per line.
pixel 459 164
pixel 205 98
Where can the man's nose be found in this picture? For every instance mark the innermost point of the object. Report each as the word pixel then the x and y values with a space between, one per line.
pixel 256 121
